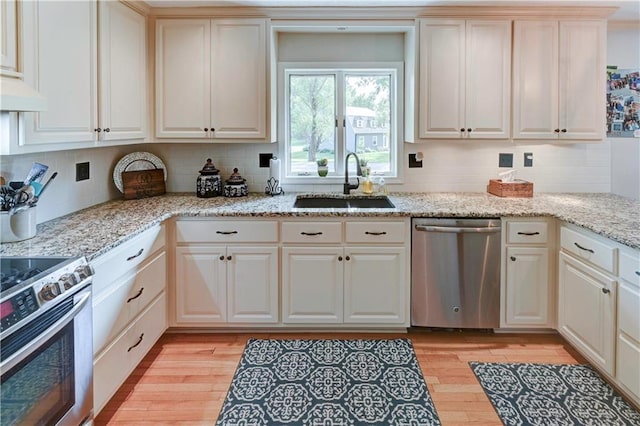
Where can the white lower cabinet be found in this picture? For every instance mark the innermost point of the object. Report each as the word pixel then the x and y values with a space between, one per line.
pixel 587 301
pixel 224 273
pixel 118 360
pixel 312 284
pixel 218 284
pixel 129 309
pixel 628 333
pixel 374 280
pixel 334 280
pixel 526 285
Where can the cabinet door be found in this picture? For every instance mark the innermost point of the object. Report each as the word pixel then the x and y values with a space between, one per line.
pixel 535 80
pixel 252 290
pixel 582 84
pixel 312 284
pixel 238 78
pixel 8 36
pixel 488 79
pixel 628 339
pixel 200 285
pixel 374 285
pixel 60 61
pixel 183 88
pixel 586 311
pixel 527 286
pixel 442 78
pixel 123 82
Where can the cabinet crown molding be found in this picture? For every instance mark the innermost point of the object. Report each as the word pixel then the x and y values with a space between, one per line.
pixel 386 12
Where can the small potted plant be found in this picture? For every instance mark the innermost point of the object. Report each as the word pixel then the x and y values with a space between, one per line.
pixel 366 171
pixel 323 168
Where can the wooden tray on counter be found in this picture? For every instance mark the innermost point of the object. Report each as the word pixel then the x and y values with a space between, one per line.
pixel 517 188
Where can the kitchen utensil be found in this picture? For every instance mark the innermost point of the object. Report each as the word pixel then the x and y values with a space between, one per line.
pixel 36 173
pixel 39 193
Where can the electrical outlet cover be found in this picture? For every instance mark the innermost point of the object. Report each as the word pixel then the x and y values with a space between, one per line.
pixel 82 171
pixel 264 159
pixel 505 160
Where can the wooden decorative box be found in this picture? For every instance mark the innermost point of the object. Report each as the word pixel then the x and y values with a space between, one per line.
pixel 517 188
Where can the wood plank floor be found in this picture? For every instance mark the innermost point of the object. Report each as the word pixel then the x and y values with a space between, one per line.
pixel 184 378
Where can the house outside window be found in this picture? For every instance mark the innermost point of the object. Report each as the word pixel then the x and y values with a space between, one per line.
pixel 330 111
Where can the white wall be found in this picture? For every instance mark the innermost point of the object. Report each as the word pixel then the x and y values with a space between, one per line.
pixel 623 50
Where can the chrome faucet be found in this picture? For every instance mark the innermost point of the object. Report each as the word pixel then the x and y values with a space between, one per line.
pixel 347 186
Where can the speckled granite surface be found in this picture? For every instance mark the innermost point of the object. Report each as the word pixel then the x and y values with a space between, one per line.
pixel 96 230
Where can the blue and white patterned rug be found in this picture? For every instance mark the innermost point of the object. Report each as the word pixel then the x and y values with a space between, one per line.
pixel 544 394
pixel 328 382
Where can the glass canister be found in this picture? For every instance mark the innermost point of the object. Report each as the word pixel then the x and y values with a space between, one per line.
pixel 208 183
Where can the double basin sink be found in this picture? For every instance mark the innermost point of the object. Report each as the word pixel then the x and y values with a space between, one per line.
pixel 340 202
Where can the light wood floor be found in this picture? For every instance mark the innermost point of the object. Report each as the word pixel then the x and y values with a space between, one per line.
pixel 184 378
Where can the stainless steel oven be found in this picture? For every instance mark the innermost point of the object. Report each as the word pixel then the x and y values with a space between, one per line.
pixel 46 353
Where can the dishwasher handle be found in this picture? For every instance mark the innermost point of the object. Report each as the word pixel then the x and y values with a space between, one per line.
pixel 458 229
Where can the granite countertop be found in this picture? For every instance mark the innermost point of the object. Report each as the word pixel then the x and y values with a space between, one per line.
pixel 95 230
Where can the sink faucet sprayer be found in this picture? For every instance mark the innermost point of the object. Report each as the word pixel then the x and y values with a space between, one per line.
pixel 347 186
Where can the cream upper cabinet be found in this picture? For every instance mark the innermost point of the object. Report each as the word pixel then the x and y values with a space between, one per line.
pixel 558 80
pixel 123 71
pixel 61 56
pixel 8 37
pixel 211 78
pixel 59 47
pixel 464 79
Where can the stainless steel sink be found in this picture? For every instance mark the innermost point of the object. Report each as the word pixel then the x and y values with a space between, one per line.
pixel 376 202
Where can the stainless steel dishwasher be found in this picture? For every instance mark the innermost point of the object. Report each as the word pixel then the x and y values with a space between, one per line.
pixel 455 273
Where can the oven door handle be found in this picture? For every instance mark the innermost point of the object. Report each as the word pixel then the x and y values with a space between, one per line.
pixel 25 351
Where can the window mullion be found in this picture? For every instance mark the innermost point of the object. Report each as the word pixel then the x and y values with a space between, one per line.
pixel 341 115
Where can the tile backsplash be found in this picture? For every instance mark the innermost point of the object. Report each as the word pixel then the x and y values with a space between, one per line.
pixel 447 166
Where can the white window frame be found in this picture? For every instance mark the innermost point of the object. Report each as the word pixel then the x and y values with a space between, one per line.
pixel 396 92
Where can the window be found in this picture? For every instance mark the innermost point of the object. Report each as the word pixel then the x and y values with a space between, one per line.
pixel 325 115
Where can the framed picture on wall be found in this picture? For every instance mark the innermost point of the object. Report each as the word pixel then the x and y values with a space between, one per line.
pixel 623 102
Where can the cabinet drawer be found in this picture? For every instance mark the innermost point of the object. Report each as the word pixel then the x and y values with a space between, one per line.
pixel 311 232
pixel 375 232
pixel 629 310
pixel 227 231
pixel 112 368
pixel 630 267
pixel 125 258
pixel 527 232
pixel 589 249
pixel 115 309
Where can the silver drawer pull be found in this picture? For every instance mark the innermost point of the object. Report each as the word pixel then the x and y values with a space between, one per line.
pixel 226 232
pixel 375 233
pixel 136 296
pixel 135 255
pixel 528 233
pixel 137 343
pixel 311 234
pixel 606 291
pixel 583 248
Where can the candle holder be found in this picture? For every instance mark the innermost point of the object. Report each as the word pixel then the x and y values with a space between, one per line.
pixel 273 187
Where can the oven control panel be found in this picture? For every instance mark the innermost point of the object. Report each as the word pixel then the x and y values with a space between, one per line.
pixel 17 308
